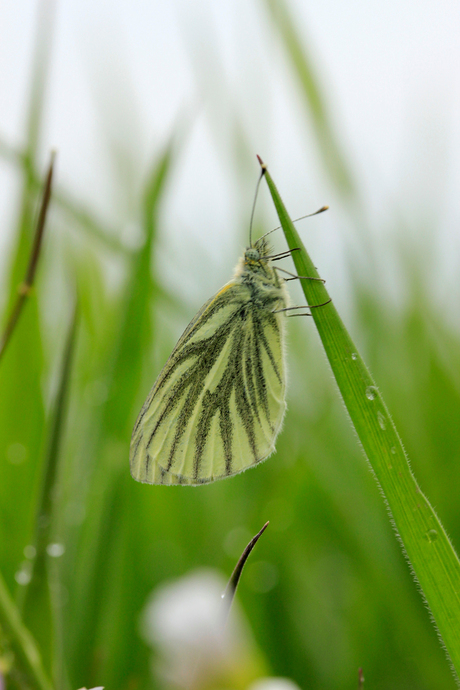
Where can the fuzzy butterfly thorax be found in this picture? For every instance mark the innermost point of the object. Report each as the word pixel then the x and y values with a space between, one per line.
pixel 218 404
pixel 255 270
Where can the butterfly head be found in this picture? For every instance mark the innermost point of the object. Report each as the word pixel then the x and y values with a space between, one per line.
pixel 257 252
pixel 255 259
pixel 251 255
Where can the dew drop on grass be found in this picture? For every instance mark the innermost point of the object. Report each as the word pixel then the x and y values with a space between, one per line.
pixel 55 550
pixel 431 535
pixel 393 450
pixel 371 392
pixel 23 575
pixel 354 355
pixel 382 421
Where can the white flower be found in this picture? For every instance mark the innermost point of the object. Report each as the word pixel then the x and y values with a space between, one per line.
pixel 274 684
pixel 184 621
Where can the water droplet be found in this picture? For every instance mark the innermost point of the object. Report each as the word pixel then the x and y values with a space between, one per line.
pixel 55 550
pixel 354 355
pixel 393 450
pixel 30 551
pixel 382 421
pixel 16 453
pixel 222 596
pixel 431 535
pixel 23 575
pixel 371 392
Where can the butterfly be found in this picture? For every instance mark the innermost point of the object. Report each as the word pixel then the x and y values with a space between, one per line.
pixel 218 404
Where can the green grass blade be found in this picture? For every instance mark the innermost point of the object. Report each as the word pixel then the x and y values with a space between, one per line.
pixel 22 415
pixel 38 599
pixel 46 15
pixel 22 411
pixel 424 541
pixel 95 572
pixel 27 655
pixel 330 149
pixel 26 286
pixel 141 293
pixel 232 585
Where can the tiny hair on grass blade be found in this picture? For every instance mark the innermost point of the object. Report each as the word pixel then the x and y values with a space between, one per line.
pixel 425 543
pixel 218 405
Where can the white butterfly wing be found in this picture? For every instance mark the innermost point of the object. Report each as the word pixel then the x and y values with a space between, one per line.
pixel 219 402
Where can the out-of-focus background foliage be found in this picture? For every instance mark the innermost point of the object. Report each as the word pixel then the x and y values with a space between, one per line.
pixel 157 111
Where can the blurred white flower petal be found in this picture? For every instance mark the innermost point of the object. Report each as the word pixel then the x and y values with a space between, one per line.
pixel 186 611
pixel 274 684
pixel 184 621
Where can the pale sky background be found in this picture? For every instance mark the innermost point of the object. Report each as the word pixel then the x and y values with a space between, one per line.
pixel 390 73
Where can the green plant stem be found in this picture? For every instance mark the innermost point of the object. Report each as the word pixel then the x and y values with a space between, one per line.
pixel 21 640
pixel 426 545
pixel 303 68
pixel 26 286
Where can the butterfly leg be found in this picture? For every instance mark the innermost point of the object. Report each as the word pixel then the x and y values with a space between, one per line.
pixel 294 277
pixel 282 255
pixel 313 306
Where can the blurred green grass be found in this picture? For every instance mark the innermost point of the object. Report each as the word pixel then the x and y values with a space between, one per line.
pixel 343 595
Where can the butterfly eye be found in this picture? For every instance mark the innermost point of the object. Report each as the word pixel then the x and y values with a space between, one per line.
pixel 251 254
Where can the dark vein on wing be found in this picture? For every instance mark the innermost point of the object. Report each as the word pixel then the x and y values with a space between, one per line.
pixel 244 376
pixel 260 334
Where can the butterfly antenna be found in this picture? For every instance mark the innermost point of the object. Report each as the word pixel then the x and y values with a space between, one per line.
pixel 262 173
pixel 309 215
